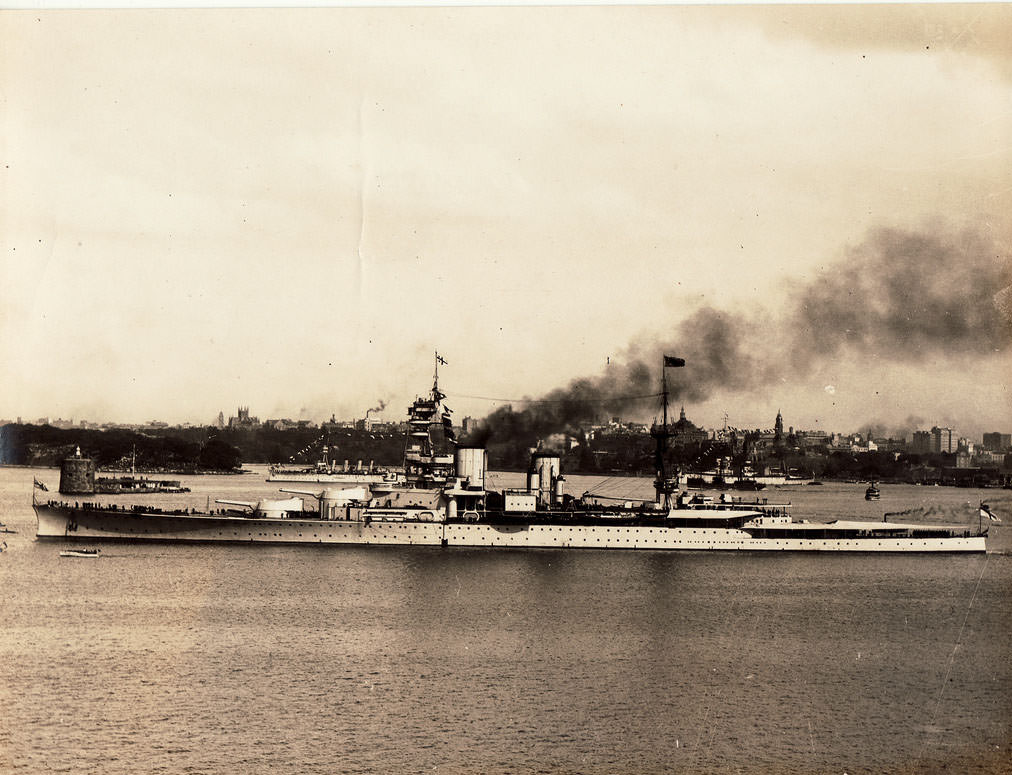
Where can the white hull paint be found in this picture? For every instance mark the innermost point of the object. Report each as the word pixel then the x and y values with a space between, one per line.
pixel 347 480
pixel 89 524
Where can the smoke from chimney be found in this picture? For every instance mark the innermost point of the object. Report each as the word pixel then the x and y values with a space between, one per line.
pixel 903 296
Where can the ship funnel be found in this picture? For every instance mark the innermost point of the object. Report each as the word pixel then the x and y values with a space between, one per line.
pixel 543 475
pixel 469 465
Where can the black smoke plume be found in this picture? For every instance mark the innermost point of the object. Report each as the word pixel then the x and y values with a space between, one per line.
pixel 907 295
pixel 900 295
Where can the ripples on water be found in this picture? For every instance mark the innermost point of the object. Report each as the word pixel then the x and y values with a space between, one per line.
pixel 407 660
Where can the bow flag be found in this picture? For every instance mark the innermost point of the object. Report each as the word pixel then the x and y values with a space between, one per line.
pixel 670 360
pixel 40 485
pixel 985 511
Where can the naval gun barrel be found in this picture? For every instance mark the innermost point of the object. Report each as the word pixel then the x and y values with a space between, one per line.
pixel 311 494
pixel 245 504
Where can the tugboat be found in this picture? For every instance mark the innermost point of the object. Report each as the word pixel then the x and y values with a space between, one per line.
pixel 872 493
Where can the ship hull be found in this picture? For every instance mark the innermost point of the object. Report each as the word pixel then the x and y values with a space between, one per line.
pixel 325 478
pixel 67 524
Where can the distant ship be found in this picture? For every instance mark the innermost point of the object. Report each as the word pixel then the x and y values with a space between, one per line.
pixel 137 484
pixel 445 503
pixel 326 472
pixel 723 477
pixel 872 493
pixel 77 477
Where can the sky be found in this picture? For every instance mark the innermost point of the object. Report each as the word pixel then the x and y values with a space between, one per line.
pixel 293 209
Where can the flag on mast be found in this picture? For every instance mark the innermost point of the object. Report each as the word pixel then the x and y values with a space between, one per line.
pixel 985 511
pixel 670 360
pixel 40 485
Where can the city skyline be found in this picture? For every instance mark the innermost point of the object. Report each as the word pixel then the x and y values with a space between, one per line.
pixel 296 208
pixel 954 436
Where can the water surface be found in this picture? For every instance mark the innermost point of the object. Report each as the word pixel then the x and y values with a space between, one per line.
pixel 309 659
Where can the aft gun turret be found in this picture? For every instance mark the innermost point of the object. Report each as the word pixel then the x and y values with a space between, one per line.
pixel 336 503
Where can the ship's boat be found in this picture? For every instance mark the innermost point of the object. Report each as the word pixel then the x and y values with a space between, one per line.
pixel 872 493
pixel 80 553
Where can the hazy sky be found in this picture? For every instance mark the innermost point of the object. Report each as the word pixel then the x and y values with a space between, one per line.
pixel 292 209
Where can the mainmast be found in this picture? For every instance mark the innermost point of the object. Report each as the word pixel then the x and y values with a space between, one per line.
pixel 664 484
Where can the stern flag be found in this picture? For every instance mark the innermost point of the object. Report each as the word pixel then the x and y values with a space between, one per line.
pixel 40 485
pixel 670 360
pixel 441 359
pixel 986 512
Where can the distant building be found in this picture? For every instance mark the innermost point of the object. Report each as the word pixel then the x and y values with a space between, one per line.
pixel 921 442
pixel 812 439
pixel 220 422
pixel 995 442
pixel 243 419
pixel 989 457
pixel 890 444
pixel 942 440
pixel 861 445
pixel 334 424
pixel 685 433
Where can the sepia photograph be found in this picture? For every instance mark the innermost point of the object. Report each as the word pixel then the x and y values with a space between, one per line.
pixel 582 389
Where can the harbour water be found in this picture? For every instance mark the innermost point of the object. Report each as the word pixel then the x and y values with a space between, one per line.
pixel 303 659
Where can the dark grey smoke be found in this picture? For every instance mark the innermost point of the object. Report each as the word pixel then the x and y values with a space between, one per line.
pixel 906 295
pixel 900 295
pixel 894 430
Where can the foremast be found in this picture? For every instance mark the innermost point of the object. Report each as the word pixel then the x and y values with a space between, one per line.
pixel 430 441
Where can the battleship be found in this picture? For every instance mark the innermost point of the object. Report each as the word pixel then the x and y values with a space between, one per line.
pixel 442 501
